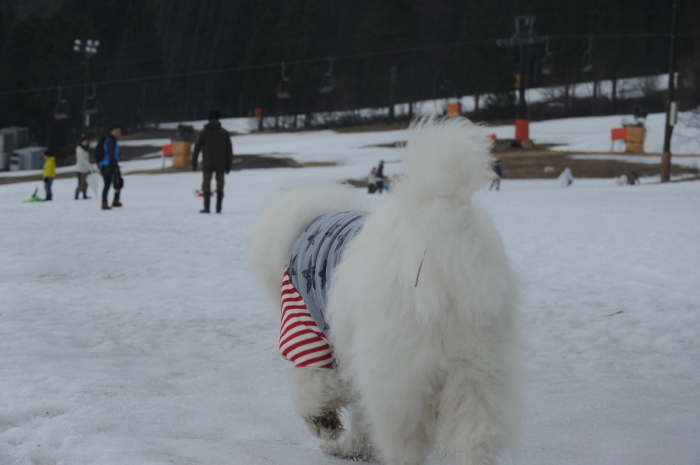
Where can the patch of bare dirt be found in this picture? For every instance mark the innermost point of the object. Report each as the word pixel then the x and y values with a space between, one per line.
pixel 373 127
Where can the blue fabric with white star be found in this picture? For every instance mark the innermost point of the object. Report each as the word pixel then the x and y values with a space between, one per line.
pixel 316 253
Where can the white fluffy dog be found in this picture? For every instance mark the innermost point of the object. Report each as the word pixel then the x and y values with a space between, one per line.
pixel 421 310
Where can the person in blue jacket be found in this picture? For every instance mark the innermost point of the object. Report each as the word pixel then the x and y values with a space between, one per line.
pixel 107 159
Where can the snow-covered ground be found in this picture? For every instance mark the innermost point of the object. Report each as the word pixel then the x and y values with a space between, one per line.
pixel 137 335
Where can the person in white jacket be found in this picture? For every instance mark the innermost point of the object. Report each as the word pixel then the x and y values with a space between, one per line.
pixel 82 166
pixel 566 178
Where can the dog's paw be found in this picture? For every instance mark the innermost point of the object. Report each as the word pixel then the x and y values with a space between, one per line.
pixel 327 426
pixel 348 447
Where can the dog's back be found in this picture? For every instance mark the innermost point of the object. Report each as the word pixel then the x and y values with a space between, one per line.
pixel 282 221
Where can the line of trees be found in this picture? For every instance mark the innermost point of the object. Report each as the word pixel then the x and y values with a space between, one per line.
pixel 162 60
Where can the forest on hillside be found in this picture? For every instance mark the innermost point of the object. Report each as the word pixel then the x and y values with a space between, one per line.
pixel 165 60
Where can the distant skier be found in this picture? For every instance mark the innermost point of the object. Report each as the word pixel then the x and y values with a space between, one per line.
pixel 633 178
pixel 566 178
pixel 498 169
pixel 380 176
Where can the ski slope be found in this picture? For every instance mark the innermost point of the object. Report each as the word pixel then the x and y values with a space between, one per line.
pixel 137 335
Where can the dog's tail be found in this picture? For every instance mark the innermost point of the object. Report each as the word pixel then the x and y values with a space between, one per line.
pixel 444 158
pixel 283 219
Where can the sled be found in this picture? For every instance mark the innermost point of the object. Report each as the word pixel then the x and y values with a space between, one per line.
pixel 200 193
pixel 93 182
pixel 33 198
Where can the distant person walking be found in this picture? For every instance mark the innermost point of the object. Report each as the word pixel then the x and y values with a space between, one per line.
pixel 372 181
pixel 217 156
pixel 82 166
pixel 498 169
pixel 49 173
pixel 380 176
pixel 107 158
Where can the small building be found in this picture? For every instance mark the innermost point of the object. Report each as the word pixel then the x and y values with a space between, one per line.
pixel 27 158
pixel 11 138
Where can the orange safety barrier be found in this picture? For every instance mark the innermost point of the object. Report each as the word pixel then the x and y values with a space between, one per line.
pixel 618 134
pixel 493 138
pixel 454 109
pixel 168 150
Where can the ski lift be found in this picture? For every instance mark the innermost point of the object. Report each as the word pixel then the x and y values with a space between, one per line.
pixel 62 110
pixel 90 104
pixel 327 81
pixel 284 88
pixel 587 62
pixel 524 26
pixel 546 69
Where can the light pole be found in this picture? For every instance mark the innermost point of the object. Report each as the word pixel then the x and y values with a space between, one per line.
pixel 87 49
pixel 671 108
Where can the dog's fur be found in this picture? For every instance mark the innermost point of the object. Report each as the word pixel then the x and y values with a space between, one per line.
pixel 422 310
pixel 621 180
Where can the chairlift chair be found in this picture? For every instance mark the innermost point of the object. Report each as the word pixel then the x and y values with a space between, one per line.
pixel 61 110
pixel 546 68
pixel 587 61
pixel 327 81
pixel 90 104
pixel 284 87
pixel 90 107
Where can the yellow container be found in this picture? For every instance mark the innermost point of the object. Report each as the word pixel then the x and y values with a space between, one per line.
pixel 634 139
pixel 454 109
pixel 182 153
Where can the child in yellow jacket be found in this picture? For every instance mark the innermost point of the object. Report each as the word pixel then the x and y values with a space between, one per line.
pixel 49 173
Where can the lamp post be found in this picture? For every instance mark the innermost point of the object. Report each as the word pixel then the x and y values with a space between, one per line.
pixel 671 107
pixel 87 49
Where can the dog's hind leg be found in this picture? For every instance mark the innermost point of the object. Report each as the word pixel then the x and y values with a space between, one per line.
pixel 402 418
pixel 354 444
pixel 318 394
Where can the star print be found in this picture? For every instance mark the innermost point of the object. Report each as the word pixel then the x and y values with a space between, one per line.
pixel 322 274
pixel 341 239
pixel 291 268
pixel 308 274
pixel 312 239
pixel 332 229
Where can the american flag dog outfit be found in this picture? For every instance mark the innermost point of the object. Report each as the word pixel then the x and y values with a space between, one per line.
pixel 307 277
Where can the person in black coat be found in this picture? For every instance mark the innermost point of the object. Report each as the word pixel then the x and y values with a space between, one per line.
pixel 217 156
pixel 380 177
pixel 498 169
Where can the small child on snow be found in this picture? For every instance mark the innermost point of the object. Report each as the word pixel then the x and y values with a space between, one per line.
pixel 49 173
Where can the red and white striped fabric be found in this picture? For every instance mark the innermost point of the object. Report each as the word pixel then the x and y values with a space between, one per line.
pixel 301 340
